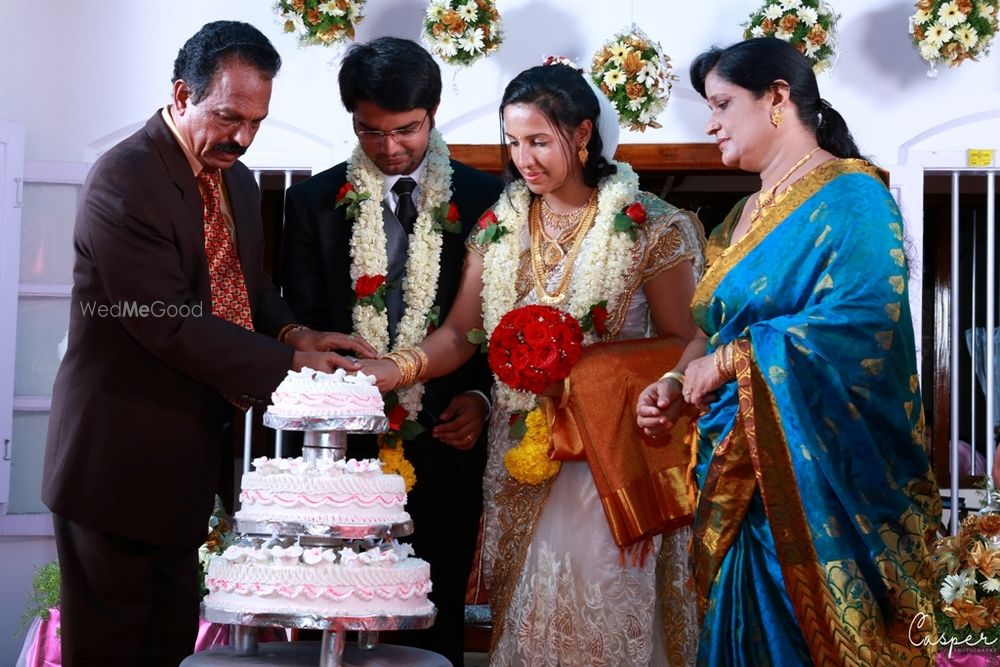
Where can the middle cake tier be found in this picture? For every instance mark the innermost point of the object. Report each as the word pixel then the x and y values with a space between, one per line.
pixel 334 493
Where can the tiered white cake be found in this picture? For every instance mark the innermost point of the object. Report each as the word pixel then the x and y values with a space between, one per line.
pixel 310 393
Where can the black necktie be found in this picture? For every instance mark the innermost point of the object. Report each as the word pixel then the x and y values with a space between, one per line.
pixel 406 210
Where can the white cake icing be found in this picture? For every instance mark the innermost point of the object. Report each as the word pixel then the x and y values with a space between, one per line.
pixel 384 580
pixel 347 492
pixel 311 393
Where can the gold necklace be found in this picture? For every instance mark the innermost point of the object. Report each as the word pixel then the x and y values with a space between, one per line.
pixel 765 199
pixel 537 261
pixel 552 246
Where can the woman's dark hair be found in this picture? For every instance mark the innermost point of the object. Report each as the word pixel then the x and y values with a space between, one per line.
pixel 562 95
pixel 392 73
pixel 755 64
pixel 201 55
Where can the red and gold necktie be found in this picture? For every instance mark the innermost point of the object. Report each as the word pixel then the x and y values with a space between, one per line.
pixel 230 300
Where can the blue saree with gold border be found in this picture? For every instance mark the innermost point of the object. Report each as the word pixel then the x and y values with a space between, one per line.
pixel 817 504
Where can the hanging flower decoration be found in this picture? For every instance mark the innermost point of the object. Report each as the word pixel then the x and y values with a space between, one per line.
pixel 808 25
pixel 635 74
pixel 462 31
pixel 322 22
pixel 953 32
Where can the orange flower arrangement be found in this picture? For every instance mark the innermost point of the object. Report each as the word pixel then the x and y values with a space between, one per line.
pixel 808 25
pixel 322 22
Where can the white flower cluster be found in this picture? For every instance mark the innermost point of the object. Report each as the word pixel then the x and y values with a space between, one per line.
pixel 954 31
pixel 462 31
pixel 423 265
pixel 635 74
pixel 599 272
pixel 808 25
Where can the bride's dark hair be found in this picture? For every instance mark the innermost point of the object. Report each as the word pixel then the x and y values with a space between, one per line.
pixel 565 98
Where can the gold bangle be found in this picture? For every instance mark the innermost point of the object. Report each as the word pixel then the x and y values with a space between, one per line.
pixel 288 329
pixel 673 375
pixel 407 368
pixel 564 399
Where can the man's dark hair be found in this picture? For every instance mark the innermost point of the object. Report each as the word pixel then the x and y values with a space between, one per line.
pixel 200 57
pixel 395 74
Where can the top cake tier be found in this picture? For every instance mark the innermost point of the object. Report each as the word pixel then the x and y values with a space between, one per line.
pixel 313 400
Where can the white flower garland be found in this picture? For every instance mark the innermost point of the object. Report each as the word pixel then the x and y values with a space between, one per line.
pixel 599 270
pixel 423 264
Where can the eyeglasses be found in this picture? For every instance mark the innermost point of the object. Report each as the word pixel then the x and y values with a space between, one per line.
pixel 402 134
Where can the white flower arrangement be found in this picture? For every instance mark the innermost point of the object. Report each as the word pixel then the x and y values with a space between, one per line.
pixel 462 31
pixel 599 271
pixel 423 265
pixel 953 31
pixel 322 22
pixel 808 25
pixel 635 74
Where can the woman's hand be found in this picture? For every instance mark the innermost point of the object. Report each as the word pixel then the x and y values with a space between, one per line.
pixel 386 372
pixel 702 378
pixel 658 406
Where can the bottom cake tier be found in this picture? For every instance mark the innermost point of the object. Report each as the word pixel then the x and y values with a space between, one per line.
pixel 383 580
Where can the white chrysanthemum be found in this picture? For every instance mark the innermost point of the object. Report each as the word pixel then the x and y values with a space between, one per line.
pixel 937 35
pixel 296 19
pixel 812 49
pixel 808 15
pixel 446 46
pixel 953 587
pixel 991 585
pixel 473 42
pixel 790 4
pixel 330 8
pixel 984 42
pixel 469 12
pixel 949 15
pixel 636 104
pixel 929 51
pixel 435 11
pixel 353 8
pixel 986 9
pixel 967 36
pixel 784 35
pixel 649 75
pixel 618 52
pixel 757 31
pixel 921 17
pixel 614 78
pixel 773 12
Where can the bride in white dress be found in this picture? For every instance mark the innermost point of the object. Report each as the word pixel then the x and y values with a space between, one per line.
pixel 562 590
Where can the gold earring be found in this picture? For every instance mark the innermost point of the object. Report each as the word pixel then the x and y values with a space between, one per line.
pixel 777 117
pixel 583 154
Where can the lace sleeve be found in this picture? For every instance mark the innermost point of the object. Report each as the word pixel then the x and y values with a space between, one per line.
pixel 670 236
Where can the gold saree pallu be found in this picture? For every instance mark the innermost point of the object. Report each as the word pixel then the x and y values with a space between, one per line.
pixel 644 483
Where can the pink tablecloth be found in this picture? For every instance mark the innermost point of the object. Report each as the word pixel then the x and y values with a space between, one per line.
pixel 970 658
pixel 42 648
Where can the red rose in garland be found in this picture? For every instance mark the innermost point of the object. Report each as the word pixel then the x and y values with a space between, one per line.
pixel 351 199
pixel 371 290
pixel 630 218
pixel 534 346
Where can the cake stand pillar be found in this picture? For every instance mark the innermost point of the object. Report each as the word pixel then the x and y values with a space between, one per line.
pixel 367 640
pixel 243 639
pixel 331 651
pixel 324 445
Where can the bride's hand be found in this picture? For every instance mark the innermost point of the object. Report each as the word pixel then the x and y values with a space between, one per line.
pixel 386 372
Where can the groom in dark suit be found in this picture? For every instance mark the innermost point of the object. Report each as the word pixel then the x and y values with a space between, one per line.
pixel 173 320
pixel 378 217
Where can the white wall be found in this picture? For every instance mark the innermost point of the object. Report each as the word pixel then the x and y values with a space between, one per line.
pixel 80 74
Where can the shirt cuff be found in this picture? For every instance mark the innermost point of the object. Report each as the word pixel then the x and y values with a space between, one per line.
pixel 486 400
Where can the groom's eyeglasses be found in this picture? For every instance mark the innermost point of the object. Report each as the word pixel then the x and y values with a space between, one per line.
pixel 398 135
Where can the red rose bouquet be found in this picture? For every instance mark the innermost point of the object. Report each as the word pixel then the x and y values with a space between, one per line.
pixel 534 346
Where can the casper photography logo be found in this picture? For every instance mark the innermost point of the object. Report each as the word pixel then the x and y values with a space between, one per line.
pixel 136 309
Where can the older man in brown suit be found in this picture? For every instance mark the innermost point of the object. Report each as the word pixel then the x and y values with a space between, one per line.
pixel 173 321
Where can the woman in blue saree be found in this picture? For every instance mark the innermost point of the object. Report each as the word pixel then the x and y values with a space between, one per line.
pixel 816 501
